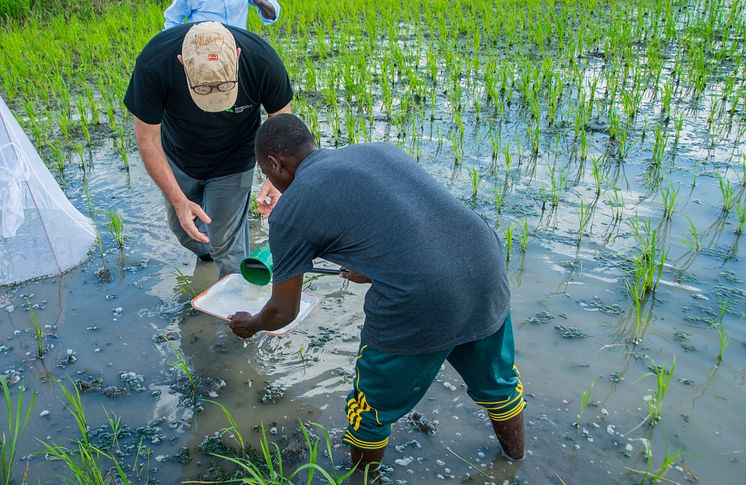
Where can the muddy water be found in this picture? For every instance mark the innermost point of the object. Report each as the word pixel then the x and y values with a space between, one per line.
pixel 560 291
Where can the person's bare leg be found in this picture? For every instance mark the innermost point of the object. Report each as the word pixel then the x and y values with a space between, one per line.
pixel 363 458
pixel 511 436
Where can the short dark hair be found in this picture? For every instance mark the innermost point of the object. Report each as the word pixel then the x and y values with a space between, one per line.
pixel 283 134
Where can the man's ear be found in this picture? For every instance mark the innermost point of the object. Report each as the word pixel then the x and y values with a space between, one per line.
pixel 276 165
pixel 181 60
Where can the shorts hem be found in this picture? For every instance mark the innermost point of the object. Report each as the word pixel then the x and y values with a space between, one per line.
pixel 350 439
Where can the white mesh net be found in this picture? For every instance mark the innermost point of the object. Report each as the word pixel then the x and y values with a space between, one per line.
pixel 41 233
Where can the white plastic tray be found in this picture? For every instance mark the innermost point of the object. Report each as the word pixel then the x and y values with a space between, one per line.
pixel 234 294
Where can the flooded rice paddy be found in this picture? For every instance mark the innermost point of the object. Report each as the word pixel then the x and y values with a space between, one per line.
pixel 578 187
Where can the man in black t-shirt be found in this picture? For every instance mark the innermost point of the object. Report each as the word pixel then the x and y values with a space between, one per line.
pixel 195 94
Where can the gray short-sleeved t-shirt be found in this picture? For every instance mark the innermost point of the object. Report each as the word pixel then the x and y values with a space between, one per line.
pixel 437 268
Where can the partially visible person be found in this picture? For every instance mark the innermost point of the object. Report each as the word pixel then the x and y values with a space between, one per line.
pixel 196 95
pixel 438 290
pixel 229 12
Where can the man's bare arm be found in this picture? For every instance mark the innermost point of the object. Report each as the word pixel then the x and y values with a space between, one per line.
pixel 151 151
pixel 281 309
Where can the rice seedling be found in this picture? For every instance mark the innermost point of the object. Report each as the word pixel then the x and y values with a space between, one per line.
pixel 596 175
pixel 659 149
pixel 38 331
pixel 17 422
pixel 115 424
pixel 654 476
pixel 508 241
pixel 232 429
pixel 115 225
pixel 728 192
pixel 695 241
pixel 649 258
pixel 741 213
pixel 678 125
pixel 499 192
pixel 654 400
pixel 669 195
pixel 83 460
pixel 474 177
pixel 58 155
pixel 524 236
pixel 585 212
pixel 584 400
pixel 182 364
pixel 78 149
pixel 272 470
pixel 121 147
pixel 183 285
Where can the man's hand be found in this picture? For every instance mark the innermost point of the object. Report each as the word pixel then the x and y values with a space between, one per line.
pixel 354 276
pixel 187 212
pixel 267 192
pixel 239 323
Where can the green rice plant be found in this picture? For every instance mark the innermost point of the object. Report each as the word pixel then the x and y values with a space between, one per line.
pixel 659 148
pixel 616 202
pixel 183 285
pixel 524 236
pixel 499 192
pixel 59 155
pixel 78 149
pixel 729 194
pixel 474 177
pixel 584 144
pixel 596 175
pixel 654 476
pixel 38 331
pixel 723 341
pixel 271 470
pixel 115 225
pixel 233 428
pixel 585 212
pixel 649 257
pixel 115 424
pixel 120 145
pixel 669 195
pixel 678 125
pixel 666 99
pixel 584 399
pixel 722 338
pixel 694 241
pixel 76 409
pixel 508 241
pixel 741 213
pixel 558 180
pixel 17 422
pixel 83 463
pixel 654 400
pixel 182 364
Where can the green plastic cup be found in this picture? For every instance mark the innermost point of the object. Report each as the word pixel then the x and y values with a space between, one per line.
pixel 257 268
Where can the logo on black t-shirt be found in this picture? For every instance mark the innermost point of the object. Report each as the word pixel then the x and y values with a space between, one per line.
pixel 239 109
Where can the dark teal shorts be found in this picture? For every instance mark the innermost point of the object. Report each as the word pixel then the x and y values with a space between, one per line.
pixel 388 386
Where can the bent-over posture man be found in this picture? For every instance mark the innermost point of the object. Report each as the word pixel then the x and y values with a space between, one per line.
pixel 438 286
pixel 196 93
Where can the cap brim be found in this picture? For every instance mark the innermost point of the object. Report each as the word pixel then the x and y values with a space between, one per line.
pixel 215 102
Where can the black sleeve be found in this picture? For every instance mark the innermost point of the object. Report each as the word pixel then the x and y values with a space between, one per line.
pixel 144 97
pixel 275 87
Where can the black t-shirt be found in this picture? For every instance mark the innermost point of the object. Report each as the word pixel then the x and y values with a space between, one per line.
pixel 206 145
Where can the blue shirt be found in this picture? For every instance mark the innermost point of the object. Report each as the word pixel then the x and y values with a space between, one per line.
pixel 230 12
pixel 437 269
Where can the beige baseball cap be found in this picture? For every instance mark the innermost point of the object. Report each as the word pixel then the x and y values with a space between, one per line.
pixel 210 60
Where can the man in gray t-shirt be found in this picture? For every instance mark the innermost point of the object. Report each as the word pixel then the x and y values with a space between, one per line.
pixel 438 285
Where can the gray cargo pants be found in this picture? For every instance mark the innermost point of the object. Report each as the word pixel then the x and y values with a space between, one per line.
pixel 226 200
